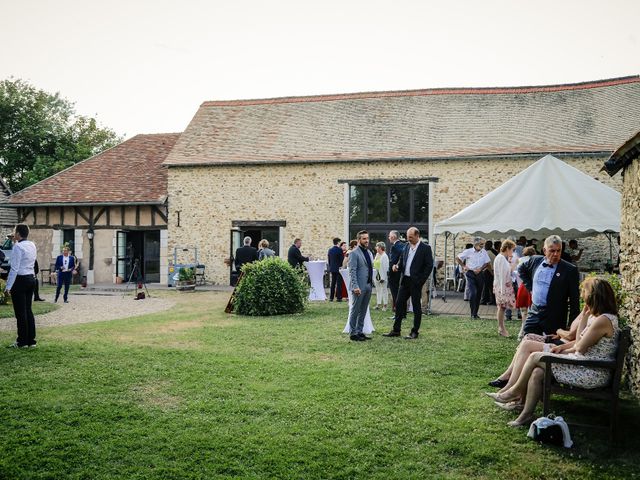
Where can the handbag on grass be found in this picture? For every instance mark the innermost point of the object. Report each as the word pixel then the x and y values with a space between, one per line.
pixel 552 430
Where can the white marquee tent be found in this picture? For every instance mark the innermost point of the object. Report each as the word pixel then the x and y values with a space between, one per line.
pixel 546 198
pixel 549 197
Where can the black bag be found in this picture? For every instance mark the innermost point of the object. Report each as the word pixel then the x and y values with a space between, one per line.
pixel 551 430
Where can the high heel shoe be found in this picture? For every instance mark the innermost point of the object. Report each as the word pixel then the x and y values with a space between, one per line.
pixel 498 397
pixel 511 406
pixel 521 423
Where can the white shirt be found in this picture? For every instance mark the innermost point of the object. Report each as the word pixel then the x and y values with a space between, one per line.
pixel 65 263
pixel 410 255
pixel 475 259
pixel 23 257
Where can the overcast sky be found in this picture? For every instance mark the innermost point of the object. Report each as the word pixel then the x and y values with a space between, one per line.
pixel 144 66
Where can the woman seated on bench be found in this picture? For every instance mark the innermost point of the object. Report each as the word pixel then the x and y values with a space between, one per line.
pixel 533 342
pixel 597 340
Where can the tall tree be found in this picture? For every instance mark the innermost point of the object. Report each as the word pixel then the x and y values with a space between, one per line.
pixel 40 134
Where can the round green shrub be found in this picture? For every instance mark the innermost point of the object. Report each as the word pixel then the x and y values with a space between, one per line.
pixel 270 287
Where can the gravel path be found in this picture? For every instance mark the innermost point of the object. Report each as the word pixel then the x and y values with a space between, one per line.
pixel 94 308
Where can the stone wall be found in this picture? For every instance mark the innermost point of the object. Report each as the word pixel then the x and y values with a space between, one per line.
pixel 312 202
pixel 630 264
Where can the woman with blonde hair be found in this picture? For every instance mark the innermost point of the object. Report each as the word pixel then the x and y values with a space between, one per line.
pixel 597 339
pixel 381 265
pixel 502 283
pixel 263 250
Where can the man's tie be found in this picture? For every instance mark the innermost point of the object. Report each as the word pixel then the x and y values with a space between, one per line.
pixel 546 265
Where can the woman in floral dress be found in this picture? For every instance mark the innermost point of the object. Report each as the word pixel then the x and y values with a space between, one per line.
pixel 502 283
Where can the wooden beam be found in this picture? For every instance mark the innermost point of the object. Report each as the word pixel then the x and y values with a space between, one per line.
pixel 161 215
pixel 46 215
pixel 108 216
pixel 153 216
pixel 24 213
pixel 137 215
pixel 61 215
pixel 84 217
pixel 122 216
pixel 99 214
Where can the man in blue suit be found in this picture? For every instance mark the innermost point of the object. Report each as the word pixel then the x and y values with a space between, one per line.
pixel 335 257
pixel 360 285
pixel 65 265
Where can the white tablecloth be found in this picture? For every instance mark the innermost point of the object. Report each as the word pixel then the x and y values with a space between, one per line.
pixel 368 324
pixel 316 275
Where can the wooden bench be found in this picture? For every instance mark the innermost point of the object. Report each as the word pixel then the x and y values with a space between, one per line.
pixel 609 393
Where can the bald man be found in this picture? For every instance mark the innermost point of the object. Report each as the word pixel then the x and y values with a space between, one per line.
pixel 415 265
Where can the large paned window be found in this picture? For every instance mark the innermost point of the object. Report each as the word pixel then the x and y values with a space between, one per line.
pixel 380 208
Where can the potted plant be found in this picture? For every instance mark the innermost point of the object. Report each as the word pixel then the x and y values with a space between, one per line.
pixel 186 279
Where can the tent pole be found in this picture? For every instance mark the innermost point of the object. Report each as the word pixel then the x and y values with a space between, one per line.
pixel 609 236
pixel 444 287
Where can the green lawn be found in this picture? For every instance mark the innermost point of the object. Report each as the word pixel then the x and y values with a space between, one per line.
pixel 195 393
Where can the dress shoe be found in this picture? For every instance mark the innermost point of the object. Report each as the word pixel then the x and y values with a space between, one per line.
pixel 356 338
pixel 38 300
pixel 392 333
pixel 66 301
pixel 497 383
pixel 364 337
pixel 411 336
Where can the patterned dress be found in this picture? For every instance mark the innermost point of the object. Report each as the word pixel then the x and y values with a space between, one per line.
pixel 502 283
pixel 588 377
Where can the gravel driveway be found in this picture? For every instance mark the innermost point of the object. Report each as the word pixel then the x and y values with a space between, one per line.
pixel 94 308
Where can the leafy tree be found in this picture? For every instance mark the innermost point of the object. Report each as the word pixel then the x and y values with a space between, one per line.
pixel 40 134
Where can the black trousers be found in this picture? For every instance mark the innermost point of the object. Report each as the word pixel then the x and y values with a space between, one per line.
pixel 408 290
pixel 476 284
pixel 36 290
pixel 336 286
pixel 394 283
pixel 22 296
pixel 487 291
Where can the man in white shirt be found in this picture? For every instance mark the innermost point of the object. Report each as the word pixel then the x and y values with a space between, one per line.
pixel 20 284
pixel 473 262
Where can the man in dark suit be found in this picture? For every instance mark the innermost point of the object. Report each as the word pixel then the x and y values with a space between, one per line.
pixel 335 255
pixel 415 266
pixel 65 265
pixel 554 287
pixel 294 257
pixel 245 254
pixel 395 252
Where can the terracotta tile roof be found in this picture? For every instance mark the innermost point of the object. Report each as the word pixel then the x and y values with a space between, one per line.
pixel 129 173
pixel 437 123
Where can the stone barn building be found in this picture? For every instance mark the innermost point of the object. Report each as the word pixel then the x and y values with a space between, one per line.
pixel 111 209
pixel 627 160
pixel 324 166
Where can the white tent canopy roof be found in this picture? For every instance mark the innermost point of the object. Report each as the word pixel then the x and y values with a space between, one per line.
pixel 549 197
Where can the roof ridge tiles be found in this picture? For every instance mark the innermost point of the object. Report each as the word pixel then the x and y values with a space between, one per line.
pixel 430 91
